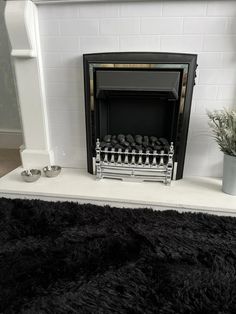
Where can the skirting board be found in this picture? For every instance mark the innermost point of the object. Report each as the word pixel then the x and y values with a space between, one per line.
pixel 192 194
pixel 10 139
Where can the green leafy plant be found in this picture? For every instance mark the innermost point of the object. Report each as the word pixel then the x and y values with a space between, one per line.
pixel 223 124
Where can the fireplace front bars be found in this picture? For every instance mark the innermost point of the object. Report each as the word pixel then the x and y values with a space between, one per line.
pixel 132 165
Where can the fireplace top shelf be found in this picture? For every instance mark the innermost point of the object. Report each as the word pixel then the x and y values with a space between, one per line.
pixel 164 82
pixel 141 57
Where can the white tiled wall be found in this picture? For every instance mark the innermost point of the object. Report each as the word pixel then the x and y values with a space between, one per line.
pixel 207 28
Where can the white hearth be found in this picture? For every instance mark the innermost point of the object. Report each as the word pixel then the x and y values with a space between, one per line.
pixel 48 39
pixel 190 194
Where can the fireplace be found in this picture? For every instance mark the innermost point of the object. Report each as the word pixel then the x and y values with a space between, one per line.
pixel 137 113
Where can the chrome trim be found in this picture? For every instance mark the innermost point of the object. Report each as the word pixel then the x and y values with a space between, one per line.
pixel 182 66
pixel 175 170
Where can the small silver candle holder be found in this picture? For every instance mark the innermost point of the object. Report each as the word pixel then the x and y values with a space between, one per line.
pixel 31 175
pixel 52 171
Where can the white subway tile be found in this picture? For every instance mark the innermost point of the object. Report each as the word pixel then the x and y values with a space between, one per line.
pixel 181 43
pixel 46 12
pixel 203 157
pixel 221 8
pixel 62 61
pixel 228 59
pixel 60 44
pixel 48 27
pixel 69 138
pixel 69 141
pixel 70 119
pixel 62 90
pixel 119 26
pixel 73 135
pixel 99 43
pixel 196 160
pixel 226 92
pixel 54 75
pixel 73 157
pixel 195 166
pixel 72 59
pixel 66 11
pixel 141 9
pixel 209 59
pixel 208 76
pixel 99 10
pixel 227 76
pixel 51 60
pixel 199 125
pixel 162 26
pixel 201 106
pixel 215 160
pixel 219 43
pixel 205 25
pixel 231 26
pixel 208 92
pixel 184 8
pixel 79 27
pixel 58 11
pixel 140 43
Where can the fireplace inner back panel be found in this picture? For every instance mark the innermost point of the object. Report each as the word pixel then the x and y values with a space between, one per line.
pixel 146 94
pixel 137 102
pixel 124 114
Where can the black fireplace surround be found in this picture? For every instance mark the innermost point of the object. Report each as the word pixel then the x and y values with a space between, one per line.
pixel 139 93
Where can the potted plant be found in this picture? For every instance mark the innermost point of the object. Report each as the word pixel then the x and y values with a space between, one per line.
pixel 223 124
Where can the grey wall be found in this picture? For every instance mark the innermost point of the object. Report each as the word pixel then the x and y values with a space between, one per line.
pixel 9 115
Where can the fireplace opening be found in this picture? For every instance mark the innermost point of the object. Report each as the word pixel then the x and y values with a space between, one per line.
pixel 137 113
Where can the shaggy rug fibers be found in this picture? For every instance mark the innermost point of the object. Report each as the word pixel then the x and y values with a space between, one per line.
pixel 69 258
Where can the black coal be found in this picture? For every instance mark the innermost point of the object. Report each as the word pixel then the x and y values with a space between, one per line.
pixel 135 142
pixel 70 258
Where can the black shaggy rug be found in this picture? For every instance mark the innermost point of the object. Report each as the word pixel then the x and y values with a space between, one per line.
pixel 69 258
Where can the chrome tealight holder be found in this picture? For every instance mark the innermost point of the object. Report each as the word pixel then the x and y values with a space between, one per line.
pixel 52 171
pixel 31 175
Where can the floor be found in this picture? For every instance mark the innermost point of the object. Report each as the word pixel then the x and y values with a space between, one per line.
pixel 9 160
pixel 188 194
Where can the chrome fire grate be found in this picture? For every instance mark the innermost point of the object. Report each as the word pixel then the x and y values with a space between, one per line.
pixel 134 165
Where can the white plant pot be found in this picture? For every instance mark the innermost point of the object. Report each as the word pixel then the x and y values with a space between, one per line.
pixel 229 175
